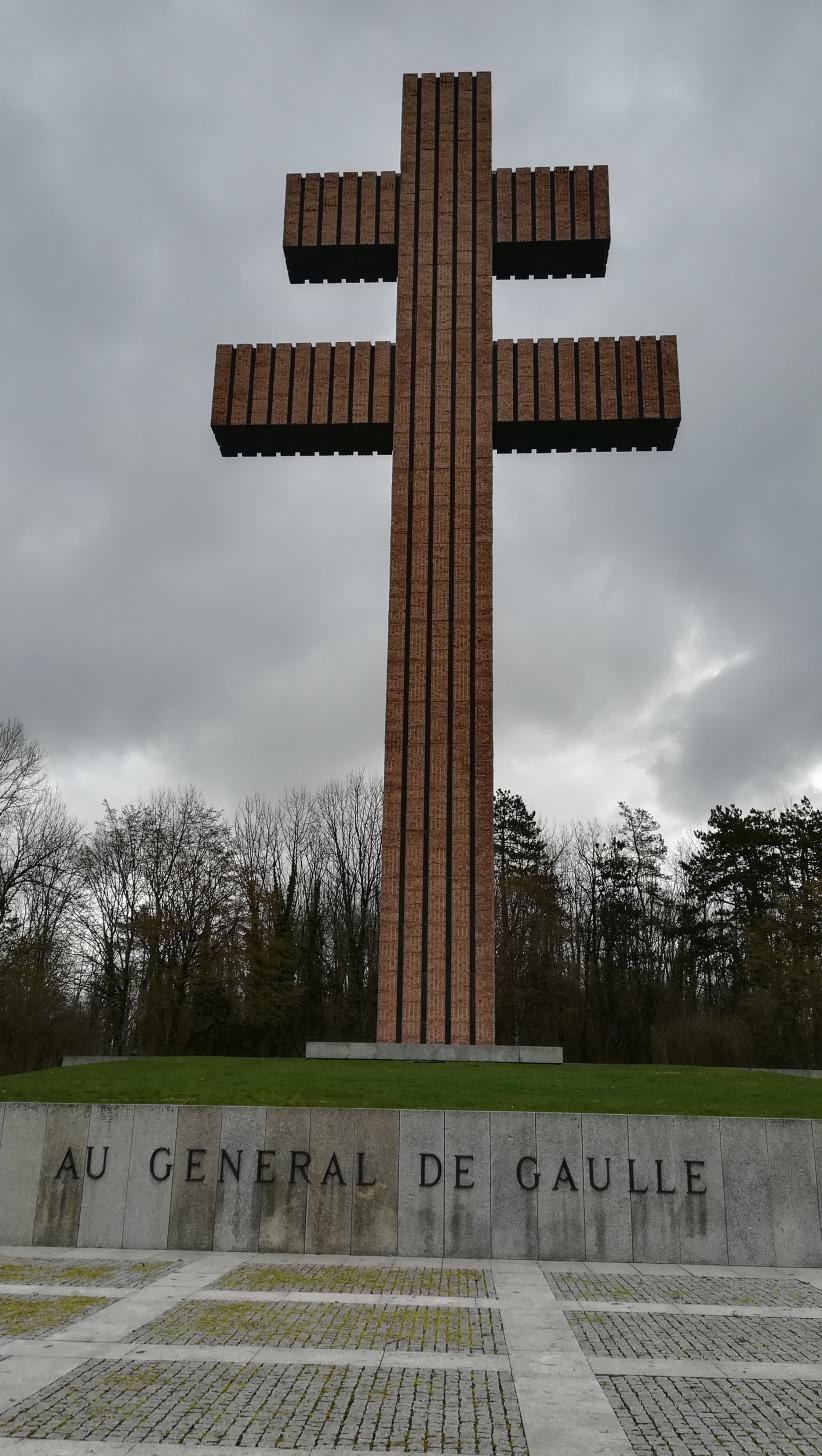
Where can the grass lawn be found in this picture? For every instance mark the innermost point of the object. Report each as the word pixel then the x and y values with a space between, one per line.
pixel 296 1083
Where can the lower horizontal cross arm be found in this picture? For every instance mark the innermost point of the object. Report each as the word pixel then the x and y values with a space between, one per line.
pixel 586 394
pixel 304 399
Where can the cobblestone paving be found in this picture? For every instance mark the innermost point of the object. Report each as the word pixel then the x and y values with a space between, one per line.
pixel 119 1274
pixel 341 1326
pixel 688 1288
pixel 35 1314
pixel 300 1406
pixel 349 1279
pixel 664 1416
pixel 696 1337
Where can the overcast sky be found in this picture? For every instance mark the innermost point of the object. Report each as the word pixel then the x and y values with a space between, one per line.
pixel 167 616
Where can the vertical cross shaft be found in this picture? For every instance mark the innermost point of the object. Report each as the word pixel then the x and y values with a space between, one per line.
pixel 436 979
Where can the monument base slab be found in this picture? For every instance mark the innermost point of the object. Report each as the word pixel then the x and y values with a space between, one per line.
pixel 430 1051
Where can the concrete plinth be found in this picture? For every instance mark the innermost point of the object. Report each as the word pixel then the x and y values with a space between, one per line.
pixel 401 1051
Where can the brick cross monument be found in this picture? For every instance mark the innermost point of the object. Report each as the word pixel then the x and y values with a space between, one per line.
pixel 441 399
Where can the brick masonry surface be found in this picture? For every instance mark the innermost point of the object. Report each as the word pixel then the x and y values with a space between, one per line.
pixel 421 1183
pixel 338 1326
pixel 682 1417
pixel 292 1406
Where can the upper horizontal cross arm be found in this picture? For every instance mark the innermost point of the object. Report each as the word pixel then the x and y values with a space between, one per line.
pixel 550 222
pixel 303 399
pixel 546 222
pixel 341 228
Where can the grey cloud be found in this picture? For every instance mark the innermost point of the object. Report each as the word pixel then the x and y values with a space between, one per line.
pixel 228 618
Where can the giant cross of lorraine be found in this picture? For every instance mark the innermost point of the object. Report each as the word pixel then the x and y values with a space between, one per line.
pixel 442 398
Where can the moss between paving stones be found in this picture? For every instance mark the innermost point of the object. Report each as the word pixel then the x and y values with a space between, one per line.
pixel 39 1315
pixel 293 1325
pixel 130 1274
pixel 358 1279
pixel 297 1082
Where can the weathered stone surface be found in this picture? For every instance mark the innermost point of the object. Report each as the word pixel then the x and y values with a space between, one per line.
pixel 607 1198
pixel 654 1215
pixel 543 1054
pixel 748 1210
pixel 284 1189
pixel 794 1195
pixel 514 1204
pixel 467 1178
pixel 103 1208
pixel 701 1196
pixel 21 1154
pixel 328 1215
pixel 422 1208
pixel 758 1179
pixel 194 1180
pixel 561 1195
pixel 148 1200
pixel 374 1208
pixel 62 1172
pixel 237 1206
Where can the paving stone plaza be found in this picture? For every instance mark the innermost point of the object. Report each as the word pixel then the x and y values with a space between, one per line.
pixel 120 1350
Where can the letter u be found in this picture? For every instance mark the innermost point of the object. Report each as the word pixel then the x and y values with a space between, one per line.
pixel 89 1173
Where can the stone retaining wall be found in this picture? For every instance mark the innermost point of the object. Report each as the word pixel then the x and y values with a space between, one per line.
pixel 524 1185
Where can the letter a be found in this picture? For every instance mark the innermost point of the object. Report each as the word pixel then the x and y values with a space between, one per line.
pixel 564 1176
pixel 68 1165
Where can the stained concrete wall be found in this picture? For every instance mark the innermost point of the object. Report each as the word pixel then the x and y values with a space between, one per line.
pixel 429 1184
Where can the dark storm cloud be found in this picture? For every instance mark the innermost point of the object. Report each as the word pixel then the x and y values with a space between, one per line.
pixel 657 618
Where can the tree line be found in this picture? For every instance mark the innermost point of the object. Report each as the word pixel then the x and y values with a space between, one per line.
pixel 174 928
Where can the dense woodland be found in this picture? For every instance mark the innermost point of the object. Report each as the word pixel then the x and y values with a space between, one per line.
pixel 174 928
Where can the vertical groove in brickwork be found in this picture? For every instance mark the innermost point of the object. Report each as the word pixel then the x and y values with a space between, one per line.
pixel 466 1004
pixel 460 926
pixel 483 860
pixel 421 487
pixel 427 867
pixel 390 994
pixel 452 465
